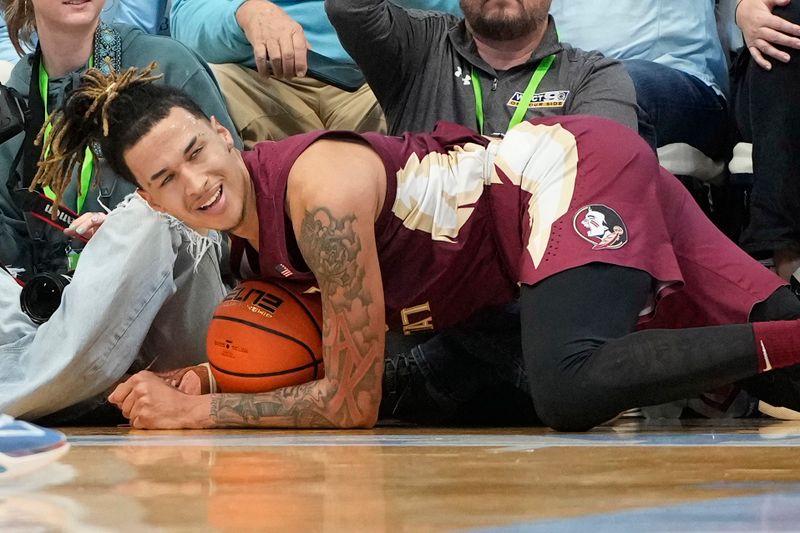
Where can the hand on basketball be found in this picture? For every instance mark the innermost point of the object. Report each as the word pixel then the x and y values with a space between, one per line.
pixel 149 402
pixel 191 380
pixel 86 225
pixel 763 31
pixel 279 42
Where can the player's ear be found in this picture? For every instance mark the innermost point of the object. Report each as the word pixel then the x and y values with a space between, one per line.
pixel 222 131
pixel 149 199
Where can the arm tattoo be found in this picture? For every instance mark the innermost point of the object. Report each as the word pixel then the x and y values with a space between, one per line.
pixel 352 349
pixel 331 247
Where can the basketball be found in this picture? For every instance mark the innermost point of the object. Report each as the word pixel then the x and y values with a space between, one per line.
pixel 266 335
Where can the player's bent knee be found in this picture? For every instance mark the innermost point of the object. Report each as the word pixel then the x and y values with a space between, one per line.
pixel 560 405
pixel 563 417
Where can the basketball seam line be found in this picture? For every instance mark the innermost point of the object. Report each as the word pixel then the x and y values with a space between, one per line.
pixel 308 312
pixel 275 332
pixel 269 374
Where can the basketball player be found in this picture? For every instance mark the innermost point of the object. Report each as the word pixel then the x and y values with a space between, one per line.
pixel 422 231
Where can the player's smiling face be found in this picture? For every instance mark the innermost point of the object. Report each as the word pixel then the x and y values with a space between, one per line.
pixel 188 167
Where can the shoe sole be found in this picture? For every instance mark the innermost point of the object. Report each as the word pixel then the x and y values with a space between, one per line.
pixel 17 466
pixel 781 413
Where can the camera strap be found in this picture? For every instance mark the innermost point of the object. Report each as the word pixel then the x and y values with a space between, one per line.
pixel 33 123
pixel 40 207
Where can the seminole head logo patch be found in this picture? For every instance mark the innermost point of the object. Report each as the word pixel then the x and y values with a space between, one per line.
pixel 601 226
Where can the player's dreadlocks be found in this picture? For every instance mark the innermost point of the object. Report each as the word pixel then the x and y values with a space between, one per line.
pixel 77 125
pixel 111 111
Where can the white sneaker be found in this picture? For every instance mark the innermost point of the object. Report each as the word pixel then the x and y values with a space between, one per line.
pixel 25 447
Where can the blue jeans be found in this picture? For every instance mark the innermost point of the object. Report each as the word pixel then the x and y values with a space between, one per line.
pixel 676 107
pixel 137 299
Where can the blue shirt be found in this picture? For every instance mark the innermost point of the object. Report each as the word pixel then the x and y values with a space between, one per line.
pixel 7 52
pixel 151 16
pixel 681 34
pixel 209 27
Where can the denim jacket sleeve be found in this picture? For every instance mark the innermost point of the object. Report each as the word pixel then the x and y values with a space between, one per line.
pixel 125 276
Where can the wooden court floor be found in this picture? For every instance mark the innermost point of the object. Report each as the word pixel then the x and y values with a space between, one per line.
pixel 627 476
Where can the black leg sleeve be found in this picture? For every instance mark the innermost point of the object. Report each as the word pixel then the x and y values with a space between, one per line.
pixel 586 365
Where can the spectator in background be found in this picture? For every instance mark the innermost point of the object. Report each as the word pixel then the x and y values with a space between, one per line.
pixel 150 17
pixel 258 50
pixel 673 53
pixel 478 70
pixel 765 75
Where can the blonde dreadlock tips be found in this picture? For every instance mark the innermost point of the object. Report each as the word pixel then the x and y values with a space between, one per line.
pixel 66 144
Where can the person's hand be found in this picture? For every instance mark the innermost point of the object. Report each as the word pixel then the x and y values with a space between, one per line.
pixel 86 225
pixel 763 31
pixel 149 402
pixel 278 41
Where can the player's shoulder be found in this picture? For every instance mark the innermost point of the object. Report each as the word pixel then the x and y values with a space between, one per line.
pixel 334 157
pixel 342 171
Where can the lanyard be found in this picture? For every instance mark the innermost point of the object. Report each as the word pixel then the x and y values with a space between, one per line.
pixel 88 159
pixel 527 96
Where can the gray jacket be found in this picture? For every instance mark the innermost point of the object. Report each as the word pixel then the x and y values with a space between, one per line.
pixel 418 64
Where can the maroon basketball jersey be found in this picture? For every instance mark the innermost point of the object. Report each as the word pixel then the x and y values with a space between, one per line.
pixel 438 265
pixel 467 218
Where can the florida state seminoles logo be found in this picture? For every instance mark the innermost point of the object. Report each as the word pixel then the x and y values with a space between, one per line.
pixel 601 226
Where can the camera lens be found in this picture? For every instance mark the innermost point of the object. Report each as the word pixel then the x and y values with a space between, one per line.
pixel 41 296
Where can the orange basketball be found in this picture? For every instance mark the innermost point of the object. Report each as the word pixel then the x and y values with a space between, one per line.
pixel 266 335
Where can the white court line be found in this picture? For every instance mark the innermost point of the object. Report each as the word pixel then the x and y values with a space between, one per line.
pixel 505 442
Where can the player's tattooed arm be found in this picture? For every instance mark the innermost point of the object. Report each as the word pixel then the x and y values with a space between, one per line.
pixel 340 250
pixel 352 350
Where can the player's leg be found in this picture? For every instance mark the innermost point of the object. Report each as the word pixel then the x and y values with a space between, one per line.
pixel 470 374
pixel 677 107
pixel 586 363
pixel 264 108
pixel 780 387
pixel 357 111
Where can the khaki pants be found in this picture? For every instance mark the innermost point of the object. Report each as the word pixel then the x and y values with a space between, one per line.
pixel 271 109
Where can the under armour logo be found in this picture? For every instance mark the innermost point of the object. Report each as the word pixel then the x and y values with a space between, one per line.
pixel 466 80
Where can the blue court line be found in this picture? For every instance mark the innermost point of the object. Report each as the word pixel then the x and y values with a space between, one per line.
pixel 778 511
pixel 514 442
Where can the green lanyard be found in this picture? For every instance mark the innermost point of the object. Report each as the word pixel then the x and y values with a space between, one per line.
pixel 88 158
pixel 527 96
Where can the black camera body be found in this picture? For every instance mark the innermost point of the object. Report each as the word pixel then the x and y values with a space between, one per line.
pixel 41 293
pixel 12 113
